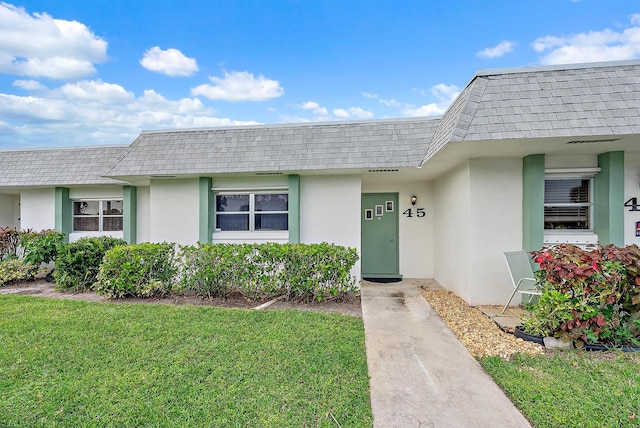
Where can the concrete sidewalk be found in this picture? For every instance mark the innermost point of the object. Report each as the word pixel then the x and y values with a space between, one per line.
pixel 421 375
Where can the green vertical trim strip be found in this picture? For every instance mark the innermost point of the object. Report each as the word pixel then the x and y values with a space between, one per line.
pixel 294 208
pixel 206 212
pixel 532 202
pixel 130 214
pixel 609 199
pixel 63 213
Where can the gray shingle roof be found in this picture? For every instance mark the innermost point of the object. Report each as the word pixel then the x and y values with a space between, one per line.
pixel 557 101
pixel 303 147
pixel 59 167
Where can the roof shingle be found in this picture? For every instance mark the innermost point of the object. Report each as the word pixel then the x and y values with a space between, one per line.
pixel 306 147
pixel 59 166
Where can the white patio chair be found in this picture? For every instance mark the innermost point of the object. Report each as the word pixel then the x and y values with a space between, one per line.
pixel 521 275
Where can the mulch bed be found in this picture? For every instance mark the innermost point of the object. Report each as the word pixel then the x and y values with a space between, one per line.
pixel 479 334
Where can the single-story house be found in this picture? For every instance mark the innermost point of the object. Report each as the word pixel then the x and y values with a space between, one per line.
pixel 523 157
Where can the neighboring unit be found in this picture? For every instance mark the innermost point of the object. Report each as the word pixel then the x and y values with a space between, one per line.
pixel 523 158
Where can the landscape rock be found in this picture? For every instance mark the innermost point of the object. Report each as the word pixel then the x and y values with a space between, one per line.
pixel 553 343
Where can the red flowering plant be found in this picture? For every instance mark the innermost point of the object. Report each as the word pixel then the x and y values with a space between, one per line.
pixel 588 295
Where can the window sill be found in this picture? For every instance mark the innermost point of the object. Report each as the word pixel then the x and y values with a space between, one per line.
pixel 251 237
pixel 74 236
pixel 570 237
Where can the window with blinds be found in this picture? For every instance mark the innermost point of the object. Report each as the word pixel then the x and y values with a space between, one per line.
pixel 568 204
pixel 252 212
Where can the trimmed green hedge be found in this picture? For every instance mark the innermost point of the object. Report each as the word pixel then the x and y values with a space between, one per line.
pixel 143 270
pixel 77 263
pixel 294 271
pixel 303 272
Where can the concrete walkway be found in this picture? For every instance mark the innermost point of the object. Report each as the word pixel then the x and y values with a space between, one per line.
pixel 421 375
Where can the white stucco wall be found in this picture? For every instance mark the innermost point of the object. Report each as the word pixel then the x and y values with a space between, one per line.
pixel 96 192
pixel 174 211
pixel 144 214
pixel 330 211
pixel 452 238
pixel 631 190
pixel 478 210
pixel 570 161
pixel 9 210
pixel 495 227
pixel 416 238
pixel 38 209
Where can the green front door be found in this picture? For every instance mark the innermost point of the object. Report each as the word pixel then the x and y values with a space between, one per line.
pixel 380 235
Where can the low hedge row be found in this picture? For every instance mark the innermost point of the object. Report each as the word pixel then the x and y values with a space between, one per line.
pixel 78 263
pixel 302 272
pixel 141 270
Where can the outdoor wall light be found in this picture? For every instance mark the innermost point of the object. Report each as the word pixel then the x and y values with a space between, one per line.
pixel 414 199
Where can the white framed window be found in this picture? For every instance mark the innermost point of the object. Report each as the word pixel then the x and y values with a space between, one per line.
pixel 568 203
pixel 252 211
pixel 97 215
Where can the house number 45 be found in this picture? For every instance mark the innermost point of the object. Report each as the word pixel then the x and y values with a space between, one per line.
pixel 419 212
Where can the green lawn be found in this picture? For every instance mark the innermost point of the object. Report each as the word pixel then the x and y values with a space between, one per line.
pixel 70 363
pixel 572 389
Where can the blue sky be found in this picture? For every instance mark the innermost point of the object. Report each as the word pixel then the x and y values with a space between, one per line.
pixel 98 72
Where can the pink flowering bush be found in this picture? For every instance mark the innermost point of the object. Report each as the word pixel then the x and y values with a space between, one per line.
pixel 588 295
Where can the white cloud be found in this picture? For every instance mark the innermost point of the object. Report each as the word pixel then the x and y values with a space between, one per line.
pixel 96 92
pixel 360 113
pixel 239 86
pixel 352 112
pixel 320 113
pixel 94 112
pixel 341 113
pixel 29 85
pixel 605 45
pixel 445 95
pixel 389 103
pixel 38 45
pixel 309 105
pixel 171 62
pixel 501 49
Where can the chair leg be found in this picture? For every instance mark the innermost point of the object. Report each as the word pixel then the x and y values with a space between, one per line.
pixel 509 301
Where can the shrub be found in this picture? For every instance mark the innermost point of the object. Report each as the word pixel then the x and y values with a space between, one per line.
pixel 16 270
pixel 303 272
pixel 77 263
pixel 41 247
pixel 9 242
pixel 588 296
pixel 319 271
pixel 142 270
pixel 214 270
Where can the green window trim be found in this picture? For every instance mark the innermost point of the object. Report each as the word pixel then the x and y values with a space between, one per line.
pixel 206 222
pixel 609 199
pixel 130 214
pixel 533 177
pixel 294 208
pixel 63 212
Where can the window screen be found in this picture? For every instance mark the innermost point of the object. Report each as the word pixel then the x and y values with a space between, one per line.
pixel 567 204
